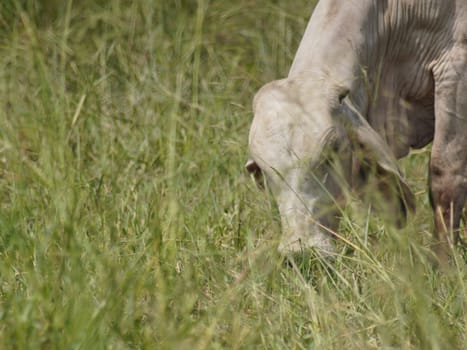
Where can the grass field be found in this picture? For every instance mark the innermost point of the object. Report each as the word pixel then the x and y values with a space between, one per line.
pixel 127 221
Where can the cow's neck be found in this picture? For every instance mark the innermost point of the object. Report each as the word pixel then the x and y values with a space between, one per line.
pixel 362 46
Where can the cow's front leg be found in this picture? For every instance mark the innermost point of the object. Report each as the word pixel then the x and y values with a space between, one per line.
pixel 448 189
pixel 448 163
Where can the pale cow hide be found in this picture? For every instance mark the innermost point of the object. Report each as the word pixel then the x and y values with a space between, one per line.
pixel 371 80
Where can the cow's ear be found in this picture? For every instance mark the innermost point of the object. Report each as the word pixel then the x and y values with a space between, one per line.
pixel 255 171
pixel 376 159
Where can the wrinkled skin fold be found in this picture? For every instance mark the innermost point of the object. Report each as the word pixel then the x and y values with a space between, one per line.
pixel 371 80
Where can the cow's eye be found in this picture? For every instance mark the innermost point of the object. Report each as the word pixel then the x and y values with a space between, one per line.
pixel 343 95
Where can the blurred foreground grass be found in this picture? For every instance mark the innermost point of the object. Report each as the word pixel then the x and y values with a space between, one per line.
pixel 126 221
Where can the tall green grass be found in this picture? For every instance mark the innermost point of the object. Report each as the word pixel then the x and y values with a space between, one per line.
pixel 126 220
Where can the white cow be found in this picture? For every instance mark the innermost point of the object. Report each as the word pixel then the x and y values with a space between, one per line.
pixel 371 79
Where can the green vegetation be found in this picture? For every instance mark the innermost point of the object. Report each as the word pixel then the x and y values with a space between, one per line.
pixel 126 219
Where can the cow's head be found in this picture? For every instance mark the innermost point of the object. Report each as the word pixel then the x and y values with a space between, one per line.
pixel 307 147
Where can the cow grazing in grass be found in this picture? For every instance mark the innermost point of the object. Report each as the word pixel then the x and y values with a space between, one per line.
pixel 371 80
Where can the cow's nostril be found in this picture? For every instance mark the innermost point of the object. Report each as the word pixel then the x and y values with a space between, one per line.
pixel 300 259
